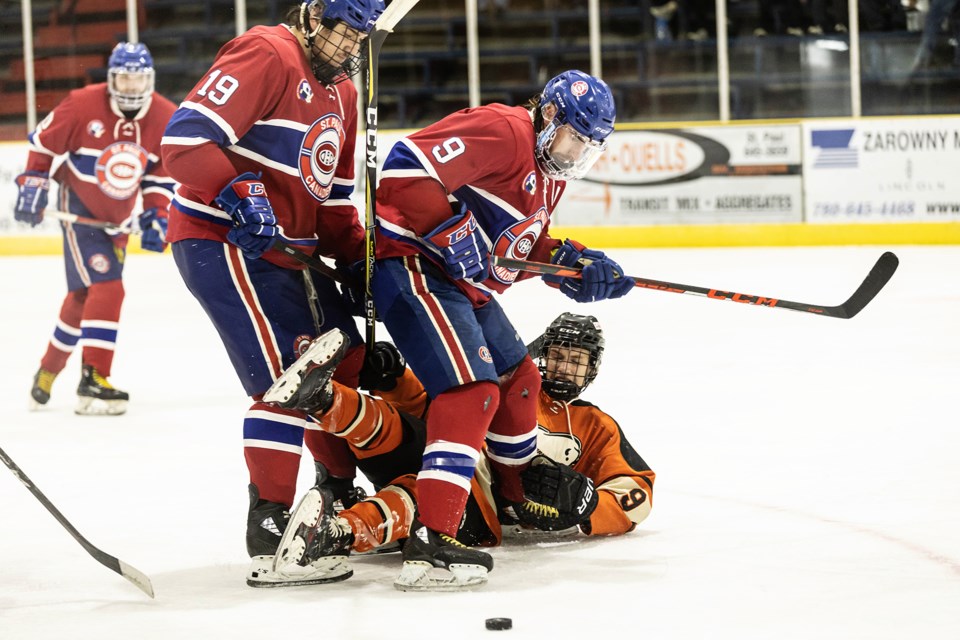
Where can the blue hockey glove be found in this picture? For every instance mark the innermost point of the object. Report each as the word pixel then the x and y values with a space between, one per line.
pixel 254 225
pixel 153 231
pixel 601 278
pixel 32 188
pixel 462 247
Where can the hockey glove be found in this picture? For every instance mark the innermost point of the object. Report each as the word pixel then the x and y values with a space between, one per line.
pixel 556 485
pixel 353 292
pixel 254 225
pixel 32 187
pixel 600 277
pixel 153 230
pixel 381 368
pixel 462 247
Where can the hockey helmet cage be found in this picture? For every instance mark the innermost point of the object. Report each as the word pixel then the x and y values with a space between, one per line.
pixel 130 75
pixel 569 331
pixel 584 115
pixel 360 16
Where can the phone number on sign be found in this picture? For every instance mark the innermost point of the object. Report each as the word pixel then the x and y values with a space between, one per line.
pixel 904 208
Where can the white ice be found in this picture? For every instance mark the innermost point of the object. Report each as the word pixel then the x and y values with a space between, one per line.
pixel 807 469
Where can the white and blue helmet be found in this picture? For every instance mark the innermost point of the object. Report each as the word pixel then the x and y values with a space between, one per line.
pixel 130 75
pixel 583 114
pixel 335 56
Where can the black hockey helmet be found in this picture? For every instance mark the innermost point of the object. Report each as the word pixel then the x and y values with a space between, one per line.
pixel 566 372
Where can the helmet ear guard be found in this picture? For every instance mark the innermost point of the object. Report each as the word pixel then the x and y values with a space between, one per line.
pixel 569 331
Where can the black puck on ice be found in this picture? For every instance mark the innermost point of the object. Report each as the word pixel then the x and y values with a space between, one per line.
pixel 499 624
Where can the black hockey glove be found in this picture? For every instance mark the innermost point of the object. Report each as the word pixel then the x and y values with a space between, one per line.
pixel 556 485
pixel 381 367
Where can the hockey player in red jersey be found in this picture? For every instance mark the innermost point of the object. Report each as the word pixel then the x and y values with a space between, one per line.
pixel 481 181
pixel 585 475
pixel 109 135
pixel 263 147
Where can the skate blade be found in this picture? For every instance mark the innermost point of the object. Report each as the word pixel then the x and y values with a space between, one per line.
pixel 292 544
pixel 423 576
pixel 321 350
pixel 325 570
pixel 531 533
pixel 33 405
pixel 98 407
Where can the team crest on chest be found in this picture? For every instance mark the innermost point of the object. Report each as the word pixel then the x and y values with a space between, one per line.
pixel 564 448
pixel 96 129
pixel 120 168
pixel 319 154
pixel 530 183
pixel 305 91
pixel 517 241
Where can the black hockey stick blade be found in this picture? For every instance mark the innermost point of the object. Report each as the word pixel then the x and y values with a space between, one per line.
pixel 314 263
pixel 878 277
pixel 138 578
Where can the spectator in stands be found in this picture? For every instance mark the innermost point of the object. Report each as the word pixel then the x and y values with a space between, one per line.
pixel 109 134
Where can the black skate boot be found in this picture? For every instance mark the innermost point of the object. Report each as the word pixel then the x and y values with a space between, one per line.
pixel 305 385
pixel 97 397
pixel 313 549
pixel 434 561
pixel 343 493
pixel 42 383
pixel 266 522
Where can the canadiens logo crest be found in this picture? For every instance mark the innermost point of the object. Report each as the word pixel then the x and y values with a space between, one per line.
pixel 319 154
pixel 579 88
pixel 120 168
pixel 305 91
pixel 484 354
pixel 96 128
pixel 300 344
pixel 517 241
pixel 530 183
pixel 99 263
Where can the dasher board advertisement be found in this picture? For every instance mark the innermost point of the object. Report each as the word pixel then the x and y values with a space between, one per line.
pixel 900 170
pixel 702 175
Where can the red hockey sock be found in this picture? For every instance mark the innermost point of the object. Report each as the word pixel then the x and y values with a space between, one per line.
pixel 67 333
pixel 512 437
pixel 456 424
pixel 101 318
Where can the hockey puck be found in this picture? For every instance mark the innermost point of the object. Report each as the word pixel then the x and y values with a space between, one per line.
pixel 499 624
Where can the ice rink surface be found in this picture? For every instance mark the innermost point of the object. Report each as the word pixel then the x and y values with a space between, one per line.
pixel 808 483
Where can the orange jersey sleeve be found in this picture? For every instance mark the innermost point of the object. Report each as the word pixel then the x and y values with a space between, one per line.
pixel 583 436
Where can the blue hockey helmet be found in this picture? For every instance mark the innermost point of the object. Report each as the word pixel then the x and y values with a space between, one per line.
pixel 568 355
pixel 579 113
pixel 130 75
pixel 335 50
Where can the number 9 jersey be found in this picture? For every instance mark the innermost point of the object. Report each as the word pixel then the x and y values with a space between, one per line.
pixel 481 159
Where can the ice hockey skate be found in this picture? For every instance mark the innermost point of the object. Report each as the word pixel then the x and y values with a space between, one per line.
pixel 40 392
pixel 434 561
pixel 313 549
pixel 97 397
pixel 305 385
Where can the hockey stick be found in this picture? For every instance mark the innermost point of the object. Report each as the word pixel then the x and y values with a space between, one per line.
pixel 384 25
pixel 314 263
pixel 141 581
pixel 73 218
pixel 879 275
